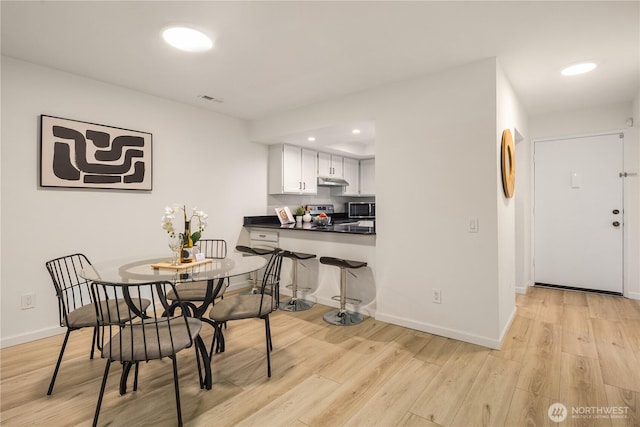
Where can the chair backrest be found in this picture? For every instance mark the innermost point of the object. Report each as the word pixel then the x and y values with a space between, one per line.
pixel 138 323
pixel 72 290
pixel 213 248
pixel 271 278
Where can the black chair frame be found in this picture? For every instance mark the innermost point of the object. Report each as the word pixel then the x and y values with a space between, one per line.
pixel 72 292
pixel 270 286
pixel 145 336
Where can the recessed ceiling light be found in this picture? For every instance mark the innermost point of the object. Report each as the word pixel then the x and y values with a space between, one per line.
pixel 355 131
pixel 311 138
pixel 575 69
pixel 187 39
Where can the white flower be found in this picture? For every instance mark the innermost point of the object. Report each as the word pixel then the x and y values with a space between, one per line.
pixel 170 215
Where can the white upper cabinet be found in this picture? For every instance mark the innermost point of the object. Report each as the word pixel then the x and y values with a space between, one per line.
pixel 308 171
pixel 368 177
pixel 352 176
pixel 330 165
pixel 292 170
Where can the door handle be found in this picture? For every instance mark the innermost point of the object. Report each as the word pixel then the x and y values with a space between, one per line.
pixel 616 223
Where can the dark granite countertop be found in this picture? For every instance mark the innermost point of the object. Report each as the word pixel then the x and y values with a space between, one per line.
pixel 340 224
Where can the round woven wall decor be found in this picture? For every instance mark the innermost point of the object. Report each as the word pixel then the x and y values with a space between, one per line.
pixel 508 164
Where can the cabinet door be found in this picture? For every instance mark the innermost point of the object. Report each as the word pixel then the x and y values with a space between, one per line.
pixel 309 176
pixel 337 167
pixel 368 177
pixel 352 176
pixel 324 164
pixel 291 169
pixel 330 165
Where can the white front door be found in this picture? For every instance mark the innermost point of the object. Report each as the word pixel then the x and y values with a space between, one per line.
pixel 578 218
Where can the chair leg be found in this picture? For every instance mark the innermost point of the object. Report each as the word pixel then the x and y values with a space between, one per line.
pixel 135 378
pixel 205 380
pixel 199 349
pixel 55 371
pixel 215 341
pixel 104 383
pixel 218 339
pixel 126 368
pixel 267 330
pixel 94 342
pixel 269 334
pixel 175 383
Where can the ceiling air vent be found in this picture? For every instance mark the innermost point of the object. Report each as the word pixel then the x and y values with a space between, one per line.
pixel 211 98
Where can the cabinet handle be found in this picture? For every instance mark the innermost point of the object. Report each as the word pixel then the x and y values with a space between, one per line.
pixel 300 185
pixel 305 186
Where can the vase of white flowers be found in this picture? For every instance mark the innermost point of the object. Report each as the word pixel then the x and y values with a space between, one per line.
pixel 188 238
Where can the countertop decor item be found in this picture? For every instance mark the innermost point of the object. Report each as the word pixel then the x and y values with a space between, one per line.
pixel 284 215
pixel 188 238
pixel 299 214
pixel 508 164
pixel 322 221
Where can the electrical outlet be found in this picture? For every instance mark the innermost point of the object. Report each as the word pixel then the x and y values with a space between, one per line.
pixel 437 296
pixel 28 301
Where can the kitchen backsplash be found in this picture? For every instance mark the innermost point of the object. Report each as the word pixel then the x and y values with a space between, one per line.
pixel 324 196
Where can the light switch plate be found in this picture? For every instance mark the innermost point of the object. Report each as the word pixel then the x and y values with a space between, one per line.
pixel 473 224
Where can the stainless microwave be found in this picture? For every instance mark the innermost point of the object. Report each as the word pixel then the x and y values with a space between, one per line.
pixel 361 210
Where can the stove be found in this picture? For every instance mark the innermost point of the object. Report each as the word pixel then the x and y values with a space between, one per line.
pixel 318 209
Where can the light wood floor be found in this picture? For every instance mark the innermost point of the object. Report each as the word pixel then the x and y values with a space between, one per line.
pixel 581 350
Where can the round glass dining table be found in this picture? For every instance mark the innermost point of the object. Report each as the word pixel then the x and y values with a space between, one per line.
pixel 147 270
pixel 212 273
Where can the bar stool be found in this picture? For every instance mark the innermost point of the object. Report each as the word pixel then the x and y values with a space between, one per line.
pixel 295 304
pixel 253 276
pixel 343 317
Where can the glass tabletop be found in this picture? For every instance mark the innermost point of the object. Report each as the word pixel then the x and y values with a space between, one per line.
pixel 141 270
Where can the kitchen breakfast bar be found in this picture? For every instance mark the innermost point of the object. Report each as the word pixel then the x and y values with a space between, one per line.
pixel 344 238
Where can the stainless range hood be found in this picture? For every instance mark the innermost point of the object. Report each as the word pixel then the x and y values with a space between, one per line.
pixel 331 182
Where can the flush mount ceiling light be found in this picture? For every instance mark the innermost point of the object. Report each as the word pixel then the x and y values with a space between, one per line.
pixel 575 69
pixel 187 39
pixel 311 138
pixel 355 131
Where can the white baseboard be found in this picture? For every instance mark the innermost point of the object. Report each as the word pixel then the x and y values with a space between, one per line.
pixel 633 295
pixel 508 325
pixel 438 330
pixel 523 289
pixel 31 336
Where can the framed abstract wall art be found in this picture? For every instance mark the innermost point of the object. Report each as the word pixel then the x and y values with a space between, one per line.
pixel 77 154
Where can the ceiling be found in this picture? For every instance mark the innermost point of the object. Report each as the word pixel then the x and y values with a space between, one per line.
pixel 274 56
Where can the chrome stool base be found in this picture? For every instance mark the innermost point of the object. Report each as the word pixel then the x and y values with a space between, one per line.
pixel 343 318
pixel 295 305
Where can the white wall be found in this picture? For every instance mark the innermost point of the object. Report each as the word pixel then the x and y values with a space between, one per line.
pixel 200 158
pixel 604 119
pixel 436 154
pixel 513 214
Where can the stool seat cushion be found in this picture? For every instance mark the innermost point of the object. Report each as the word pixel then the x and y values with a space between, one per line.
pixel 297 255
pixel 241 307
pixel 253 251
pixel 342 263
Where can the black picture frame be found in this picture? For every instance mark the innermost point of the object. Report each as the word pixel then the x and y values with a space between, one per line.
pixel 77 154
